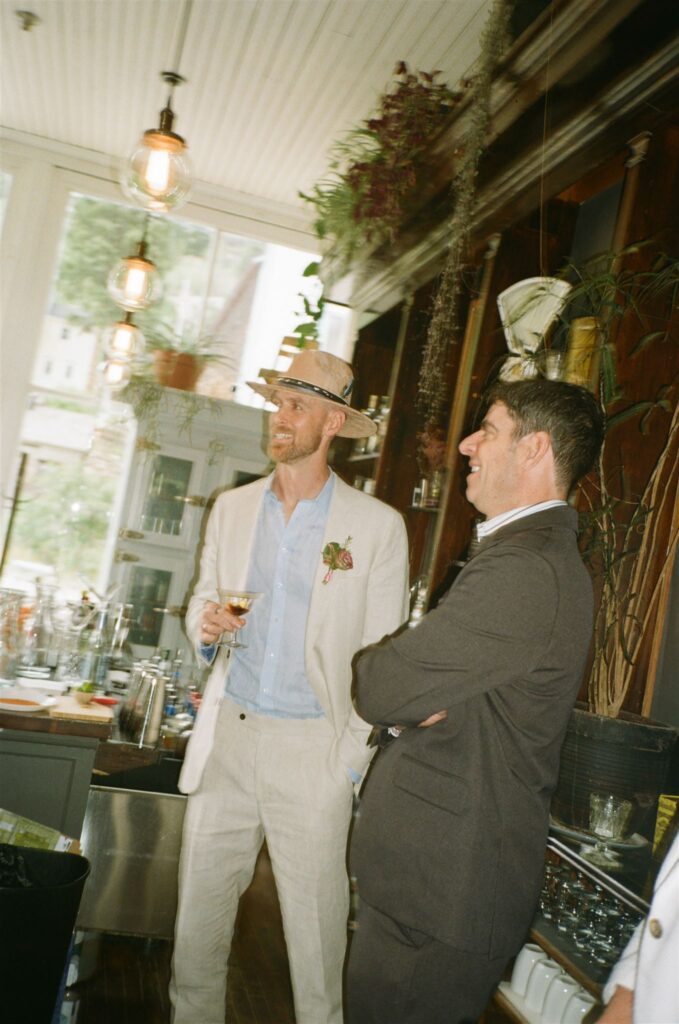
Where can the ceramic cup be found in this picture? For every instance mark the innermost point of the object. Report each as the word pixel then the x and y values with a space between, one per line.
pixel 539 981
pixel 577 1007
pixel 523 965
pixel 561 988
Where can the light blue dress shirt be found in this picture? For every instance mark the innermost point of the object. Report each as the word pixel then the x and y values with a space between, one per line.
pixel 269 674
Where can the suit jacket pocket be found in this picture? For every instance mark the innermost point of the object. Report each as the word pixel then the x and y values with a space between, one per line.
pixel 424 781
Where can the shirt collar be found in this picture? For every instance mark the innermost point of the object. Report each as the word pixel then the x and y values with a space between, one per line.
pixel 488 527
pixel 322 498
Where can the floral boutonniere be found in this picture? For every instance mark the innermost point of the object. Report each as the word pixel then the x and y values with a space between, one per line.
pixel 337 556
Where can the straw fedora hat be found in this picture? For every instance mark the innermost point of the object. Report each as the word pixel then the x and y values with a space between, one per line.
pixel 326 378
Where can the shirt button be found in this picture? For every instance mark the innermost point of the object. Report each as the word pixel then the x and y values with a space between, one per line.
pixel 655 928
pixel 242 716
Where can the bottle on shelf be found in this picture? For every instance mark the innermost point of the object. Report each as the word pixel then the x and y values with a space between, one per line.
pixel 381 417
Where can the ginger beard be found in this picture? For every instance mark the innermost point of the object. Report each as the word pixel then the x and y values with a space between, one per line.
pixel 296 430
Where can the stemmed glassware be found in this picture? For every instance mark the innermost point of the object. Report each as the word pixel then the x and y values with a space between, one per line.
pixel 238 602
pixel 608 819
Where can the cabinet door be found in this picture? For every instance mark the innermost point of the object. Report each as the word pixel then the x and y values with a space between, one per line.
pixel 167 497
pixel 156 584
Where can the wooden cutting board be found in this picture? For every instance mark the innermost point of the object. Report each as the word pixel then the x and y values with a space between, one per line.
pixel 68 707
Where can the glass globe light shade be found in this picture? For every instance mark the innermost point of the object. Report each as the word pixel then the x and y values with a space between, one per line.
pixel 158 174
pixel 133 283
pixel 116 373
pixel 123 340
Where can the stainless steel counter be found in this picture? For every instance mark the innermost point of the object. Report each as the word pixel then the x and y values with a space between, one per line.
pixel 132 838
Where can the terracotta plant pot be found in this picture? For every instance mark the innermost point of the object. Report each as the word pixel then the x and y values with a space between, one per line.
pixel 173 369
pixel 186 372
pixel 163 365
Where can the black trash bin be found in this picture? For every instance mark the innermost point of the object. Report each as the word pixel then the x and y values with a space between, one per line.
pixel 37 923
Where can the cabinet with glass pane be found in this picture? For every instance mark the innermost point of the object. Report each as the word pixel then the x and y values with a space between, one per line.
pixel 167 497
pixel 185 455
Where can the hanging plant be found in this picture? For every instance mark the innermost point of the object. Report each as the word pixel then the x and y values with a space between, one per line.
pixel 372 169
pixel 307 331
pixel 444 325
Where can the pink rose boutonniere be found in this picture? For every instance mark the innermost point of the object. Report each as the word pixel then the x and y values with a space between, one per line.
pixel 337 556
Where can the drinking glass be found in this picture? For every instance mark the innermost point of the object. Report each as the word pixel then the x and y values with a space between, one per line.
pixel 238 602
pixel 608 818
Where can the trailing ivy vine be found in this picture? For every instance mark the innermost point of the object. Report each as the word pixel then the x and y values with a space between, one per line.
pixel 444 325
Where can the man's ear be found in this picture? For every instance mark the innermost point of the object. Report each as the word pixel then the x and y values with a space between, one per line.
pixel 535 447
pixel 334 422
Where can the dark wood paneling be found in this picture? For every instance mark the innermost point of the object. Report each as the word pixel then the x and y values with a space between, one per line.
pixel 520 253
pixel 642 374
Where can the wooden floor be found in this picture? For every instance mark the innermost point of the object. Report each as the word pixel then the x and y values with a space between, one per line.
pixel 130 983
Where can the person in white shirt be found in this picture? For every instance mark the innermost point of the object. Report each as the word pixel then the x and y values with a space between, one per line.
pixel 643 987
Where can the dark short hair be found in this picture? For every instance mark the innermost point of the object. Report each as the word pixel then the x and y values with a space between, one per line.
pixel 570 414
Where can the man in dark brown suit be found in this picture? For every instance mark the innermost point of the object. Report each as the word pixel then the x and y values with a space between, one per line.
pixel 448 848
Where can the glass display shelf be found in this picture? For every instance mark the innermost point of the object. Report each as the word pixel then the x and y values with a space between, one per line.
pixel 587 915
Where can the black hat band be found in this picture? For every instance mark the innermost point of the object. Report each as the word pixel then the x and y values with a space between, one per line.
pixel 304 385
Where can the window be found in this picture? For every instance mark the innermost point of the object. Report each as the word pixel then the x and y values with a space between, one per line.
pixel 240 293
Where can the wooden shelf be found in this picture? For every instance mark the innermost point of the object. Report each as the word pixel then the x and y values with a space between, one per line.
pixel 363 458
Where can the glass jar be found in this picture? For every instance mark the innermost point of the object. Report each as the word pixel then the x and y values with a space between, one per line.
pixel 10 632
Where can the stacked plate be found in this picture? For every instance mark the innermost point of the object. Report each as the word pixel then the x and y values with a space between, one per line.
pixel 23 699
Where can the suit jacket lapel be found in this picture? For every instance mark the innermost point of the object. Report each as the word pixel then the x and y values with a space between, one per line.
pixel 242 527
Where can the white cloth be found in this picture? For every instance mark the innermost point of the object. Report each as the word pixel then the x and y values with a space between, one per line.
pixel 649 965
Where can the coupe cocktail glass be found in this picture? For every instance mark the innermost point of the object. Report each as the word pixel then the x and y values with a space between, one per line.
pixel 238 602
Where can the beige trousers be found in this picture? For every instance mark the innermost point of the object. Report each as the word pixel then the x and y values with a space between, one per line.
pixel 279 779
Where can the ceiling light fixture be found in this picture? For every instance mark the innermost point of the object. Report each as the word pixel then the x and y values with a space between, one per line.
pixel 157 176
pixel 133 283
pixel 116 373
pixel 123 339
pixel 27 20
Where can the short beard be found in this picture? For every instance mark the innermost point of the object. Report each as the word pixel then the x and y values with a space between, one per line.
pixel 290 454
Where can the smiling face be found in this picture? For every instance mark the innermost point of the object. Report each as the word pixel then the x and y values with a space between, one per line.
pixel 298 429
pixel 495 483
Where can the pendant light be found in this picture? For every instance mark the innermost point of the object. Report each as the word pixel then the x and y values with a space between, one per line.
pixel 133 283
pixel 116 373
pixel 157 175
pixel 123 339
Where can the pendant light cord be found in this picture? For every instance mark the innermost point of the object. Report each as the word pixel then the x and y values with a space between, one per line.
pixel 541 232
pixel 182 34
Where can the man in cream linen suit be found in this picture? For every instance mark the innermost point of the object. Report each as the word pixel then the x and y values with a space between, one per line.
pixel 277 745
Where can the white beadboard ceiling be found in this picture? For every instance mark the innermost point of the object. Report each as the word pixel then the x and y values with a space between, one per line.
pixel 271 83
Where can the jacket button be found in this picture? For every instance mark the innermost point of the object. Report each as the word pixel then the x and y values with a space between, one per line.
pixel 242 717
pixel 655 928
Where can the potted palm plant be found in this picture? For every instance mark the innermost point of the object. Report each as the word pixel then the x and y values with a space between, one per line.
pixel 630 536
